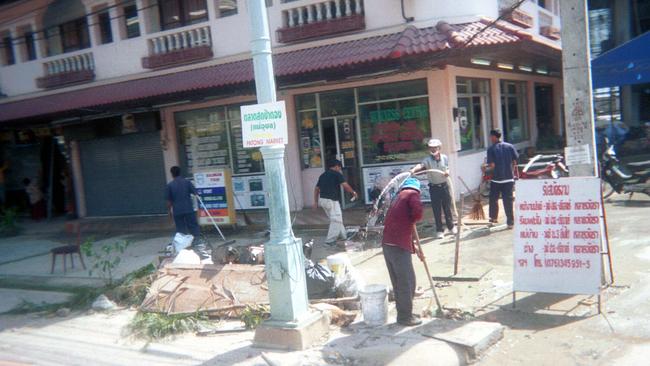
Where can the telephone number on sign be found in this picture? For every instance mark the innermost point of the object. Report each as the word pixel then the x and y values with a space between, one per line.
pixel 567 263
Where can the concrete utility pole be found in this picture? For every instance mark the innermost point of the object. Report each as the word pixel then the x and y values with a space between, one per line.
pixel 578 100
pixel 292 325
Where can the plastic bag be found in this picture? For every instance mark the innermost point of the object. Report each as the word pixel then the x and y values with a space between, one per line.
pixel 320 281
pixel 349 282
pixel 187 256
pixel 182 241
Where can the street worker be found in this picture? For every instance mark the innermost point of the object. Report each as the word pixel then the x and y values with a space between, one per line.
pixel 179 203
pixel 502 160
pixel 327 195
pixel 405 211
pixel 438 187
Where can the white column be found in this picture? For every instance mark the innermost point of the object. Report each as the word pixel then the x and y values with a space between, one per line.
pixel 328 10
pixel 578 100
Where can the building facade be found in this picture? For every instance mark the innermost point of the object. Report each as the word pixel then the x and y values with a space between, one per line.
pixel 122 91
pixel 611 24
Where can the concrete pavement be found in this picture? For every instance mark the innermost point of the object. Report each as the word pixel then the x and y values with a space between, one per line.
pixel 543 329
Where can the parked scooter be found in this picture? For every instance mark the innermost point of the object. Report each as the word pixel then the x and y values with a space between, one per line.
pixel 538 167
pixel 629 178
pixel 544 167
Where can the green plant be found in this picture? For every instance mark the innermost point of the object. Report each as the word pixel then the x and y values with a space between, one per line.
pixel 132 289
pixel 253 315
pixel 80 299
pixel 8 222
pixel 153 326
pixel 106 259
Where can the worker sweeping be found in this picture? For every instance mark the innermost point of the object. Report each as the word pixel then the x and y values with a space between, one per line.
pixel 438 186
pixel 397 244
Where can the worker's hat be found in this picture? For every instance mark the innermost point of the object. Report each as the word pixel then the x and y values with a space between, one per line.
pixel 412 183
pixel 434 143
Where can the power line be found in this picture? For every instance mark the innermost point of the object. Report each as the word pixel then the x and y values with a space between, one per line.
pixel 19 39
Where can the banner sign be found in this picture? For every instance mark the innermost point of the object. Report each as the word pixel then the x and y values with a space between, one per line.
pixel 557 236
pixel 250 192
pixel 214 189
pixel 264 124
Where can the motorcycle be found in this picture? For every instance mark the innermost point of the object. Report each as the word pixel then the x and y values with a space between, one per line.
pixel 628 178
pixel 538 167
pixel 544 167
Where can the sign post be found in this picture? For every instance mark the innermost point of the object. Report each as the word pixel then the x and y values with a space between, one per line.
pixel 292 325
pixel 576 75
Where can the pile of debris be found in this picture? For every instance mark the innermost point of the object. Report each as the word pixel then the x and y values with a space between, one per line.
pixel 189 281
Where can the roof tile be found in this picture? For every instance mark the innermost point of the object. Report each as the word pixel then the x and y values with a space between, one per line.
pixel 411 41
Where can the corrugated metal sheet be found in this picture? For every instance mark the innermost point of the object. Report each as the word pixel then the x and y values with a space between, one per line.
pixel 124 175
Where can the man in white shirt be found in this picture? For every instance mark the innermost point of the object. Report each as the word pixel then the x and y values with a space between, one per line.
pixel 438 188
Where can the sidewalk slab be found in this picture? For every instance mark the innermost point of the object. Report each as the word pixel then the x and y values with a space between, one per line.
pixel 11 298
pixel 475 337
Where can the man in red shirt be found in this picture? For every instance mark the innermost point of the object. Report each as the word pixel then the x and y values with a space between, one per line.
pixel 397 245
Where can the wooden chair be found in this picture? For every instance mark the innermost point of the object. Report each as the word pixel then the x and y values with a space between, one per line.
pixel 72 227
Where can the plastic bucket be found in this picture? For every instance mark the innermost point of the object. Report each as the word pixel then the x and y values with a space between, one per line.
pixel 374 304
pixel 338 263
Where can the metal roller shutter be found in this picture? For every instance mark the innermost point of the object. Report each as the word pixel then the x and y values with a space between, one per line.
pixel 124 175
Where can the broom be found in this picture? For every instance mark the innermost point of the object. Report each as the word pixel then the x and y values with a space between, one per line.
pixel 428 311
pixel 477 209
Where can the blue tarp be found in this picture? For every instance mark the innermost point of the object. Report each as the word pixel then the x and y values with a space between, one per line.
pixel 626 64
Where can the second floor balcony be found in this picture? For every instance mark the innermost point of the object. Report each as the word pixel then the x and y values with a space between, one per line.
pixel 67 70
pixel 321 19
pixel 178 47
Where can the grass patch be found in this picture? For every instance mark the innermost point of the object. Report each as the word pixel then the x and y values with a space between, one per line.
pixel 130 291
pixel 254 315
pixel 155 326
pixel 81 299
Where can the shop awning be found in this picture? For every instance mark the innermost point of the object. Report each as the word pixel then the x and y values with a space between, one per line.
pixel 626 64
pixel 352 56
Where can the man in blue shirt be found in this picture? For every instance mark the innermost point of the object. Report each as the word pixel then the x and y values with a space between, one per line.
pixel 179 203
pixel 502 159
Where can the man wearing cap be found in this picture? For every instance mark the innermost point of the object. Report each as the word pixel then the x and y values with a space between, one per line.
pixel 397 244
pixel 502 159
pixel 438 188
pixel 327 195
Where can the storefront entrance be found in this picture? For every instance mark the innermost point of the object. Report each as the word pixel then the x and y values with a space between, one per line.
pixel 339 142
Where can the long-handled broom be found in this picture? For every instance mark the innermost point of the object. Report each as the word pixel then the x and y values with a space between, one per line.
pixel 477 212
pixel 428 311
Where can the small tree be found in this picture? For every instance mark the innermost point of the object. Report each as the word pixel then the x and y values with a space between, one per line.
pixel 106 259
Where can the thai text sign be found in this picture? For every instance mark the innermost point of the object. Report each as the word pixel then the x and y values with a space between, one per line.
pixel 557 236
pixel 264 124
pixel 213 189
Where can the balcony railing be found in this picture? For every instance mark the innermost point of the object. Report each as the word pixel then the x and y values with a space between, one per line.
pixel 550 32
pixel 67 70
pixel 180 47
pixel 321 19
pixel 520 18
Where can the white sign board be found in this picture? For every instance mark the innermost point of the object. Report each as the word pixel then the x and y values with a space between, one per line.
pixel 557 236
pixel 575 155
pixel 250 192
pixel 264 124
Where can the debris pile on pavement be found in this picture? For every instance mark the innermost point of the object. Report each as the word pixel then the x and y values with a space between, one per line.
pixel 183 289
pixel 186 284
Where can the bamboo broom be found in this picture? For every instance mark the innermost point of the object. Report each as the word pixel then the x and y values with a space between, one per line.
pixel 477 212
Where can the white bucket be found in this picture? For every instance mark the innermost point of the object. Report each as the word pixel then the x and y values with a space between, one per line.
pixel 337 263
pixel 374 303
